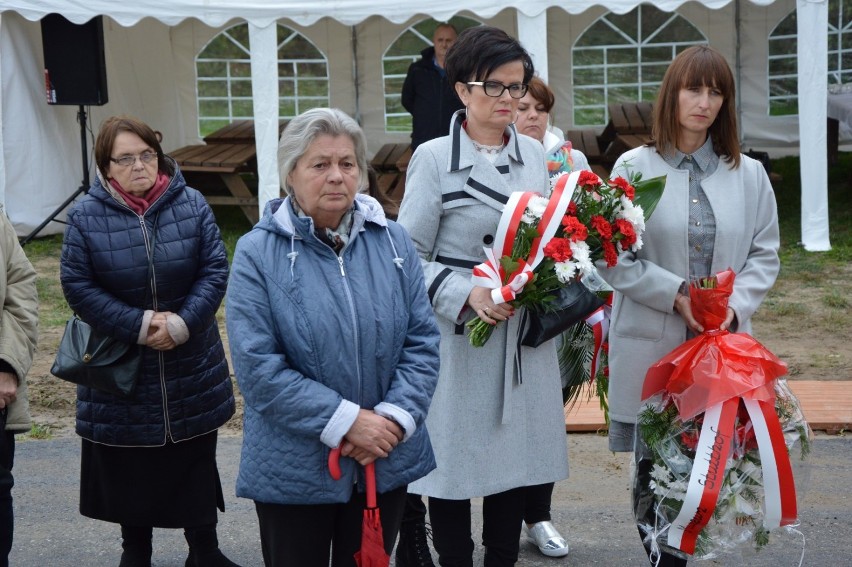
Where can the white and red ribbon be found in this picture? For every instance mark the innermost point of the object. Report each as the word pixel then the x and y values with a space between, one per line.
pixel 599 322
pixel 708 470
pixel 778 486
pixel 491 274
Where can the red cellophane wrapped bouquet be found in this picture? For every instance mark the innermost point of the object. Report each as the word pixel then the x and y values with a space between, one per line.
pixel 723 435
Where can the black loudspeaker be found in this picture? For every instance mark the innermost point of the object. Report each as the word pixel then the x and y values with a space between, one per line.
pixel 74 67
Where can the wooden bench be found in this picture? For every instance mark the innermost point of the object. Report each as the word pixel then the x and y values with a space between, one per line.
pixel 631 117
pixel 390 164
pixel 586 141
pixel 388 155
pixel 225 162
pixel 623 143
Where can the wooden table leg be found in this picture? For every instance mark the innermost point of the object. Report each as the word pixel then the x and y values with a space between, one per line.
pixel 832 135
pixel 239 189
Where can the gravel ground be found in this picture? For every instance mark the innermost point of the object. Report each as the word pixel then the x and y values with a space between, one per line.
pixel 591 508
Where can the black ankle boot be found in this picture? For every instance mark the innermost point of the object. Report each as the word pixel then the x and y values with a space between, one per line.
pixel 136 545
pixel 413 547
pixel 204 548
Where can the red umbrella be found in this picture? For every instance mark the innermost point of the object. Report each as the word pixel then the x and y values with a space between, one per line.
pixel 372 552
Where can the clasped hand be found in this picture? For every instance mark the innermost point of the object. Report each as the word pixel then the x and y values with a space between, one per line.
pixel 158 334
pixel 683 306
pixel 370 437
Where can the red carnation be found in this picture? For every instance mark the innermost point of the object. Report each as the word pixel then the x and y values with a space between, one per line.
pixel 605 371
pixel 602 226
pixel 610 255
pixel 625 187
pixel 605 347
pixel 574 229
pixel 626 229
pixel 572 208
pixel 689 438
pixel 589 180
pixel 559 249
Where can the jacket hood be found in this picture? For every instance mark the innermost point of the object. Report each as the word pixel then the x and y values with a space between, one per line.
pixel 552 142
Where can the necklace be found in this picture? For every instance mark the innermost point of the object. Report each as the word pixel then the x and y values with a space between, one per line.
pixel 482 148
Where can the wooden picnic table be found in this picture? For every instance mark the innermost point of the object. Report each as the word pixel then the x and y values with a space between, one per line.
pixel 226 154
pixel 224 162
pixel 238 132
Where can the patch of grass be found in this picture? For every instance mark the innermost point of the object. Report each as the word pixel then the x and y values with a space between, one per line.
pixel 835 300
pixel 40 431
pixel 784 309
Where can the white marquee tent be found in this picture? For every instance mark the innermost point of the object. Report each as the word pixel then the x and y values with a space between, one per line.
pixel 151 45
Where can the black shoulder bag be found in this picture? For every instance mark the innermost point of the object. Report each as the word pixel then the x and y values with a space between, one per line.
pixel 92 359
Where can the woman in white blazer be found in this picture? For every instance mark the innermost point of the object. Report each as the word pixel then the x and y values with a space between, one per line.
pixel 496 427
pixel 717 211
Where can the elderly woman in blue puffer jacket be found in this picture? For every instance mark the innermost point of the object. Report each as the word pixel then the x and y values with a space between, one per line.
pixel 334 344
pixel 149 460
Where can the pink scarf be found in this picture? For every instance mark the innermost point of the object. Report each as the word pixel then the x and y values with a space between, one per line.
pixel 141 204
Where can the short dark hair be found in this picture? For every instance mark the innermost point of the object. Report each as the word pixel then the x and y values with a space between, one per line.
pixel 539 90
pixel 479 50
pixel 113 126
pixel 698 66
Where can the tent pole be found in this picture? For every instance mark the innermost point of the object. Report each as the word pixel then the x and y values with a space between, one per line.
pixel 355 74
pixel 739 66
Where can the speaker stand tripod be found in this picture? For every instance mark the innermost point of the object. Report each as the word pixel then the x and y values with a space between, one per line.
pixel 83 188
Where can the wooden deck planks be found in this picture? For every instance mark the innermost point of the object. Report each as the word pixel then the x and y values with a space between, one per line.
pixel 827 406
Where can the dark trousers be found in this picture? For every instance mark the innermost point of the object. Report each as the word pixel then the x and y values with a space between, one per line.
pixel 306 535
pixel 415 509
pixel 502 514
pixel 7 520
pixel 537 503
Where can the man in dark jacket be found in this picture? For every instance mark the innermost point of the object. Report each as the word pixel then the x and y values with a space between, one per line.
pixel 426 93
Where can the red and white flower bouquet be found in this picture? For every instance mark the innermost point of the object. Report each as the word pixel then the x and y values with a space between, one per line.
pixel 544 245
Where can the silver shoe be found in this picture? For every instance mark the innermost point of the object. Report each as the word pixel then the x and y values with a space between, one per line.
pixel 547 538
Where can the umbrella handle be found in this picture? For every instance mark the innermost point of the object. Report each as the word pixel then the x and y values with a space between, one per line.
pixel 334 464
pixel 369 475
pixel 370 480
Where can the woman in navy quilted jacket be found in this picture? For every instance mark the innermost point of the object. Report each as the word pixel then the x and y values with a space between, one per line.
pixel 334 344
pixel 149 460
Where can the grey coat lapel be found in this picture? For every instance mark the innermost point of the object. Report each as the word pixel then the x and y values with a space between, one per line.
pixel 487 183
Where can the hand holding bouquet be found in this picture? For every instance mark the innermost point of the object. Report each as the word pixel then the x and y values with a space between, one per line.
pixel 543 245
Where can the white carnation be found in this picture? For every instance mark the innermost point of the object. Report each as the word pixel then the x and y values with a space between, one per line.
pixel 555 179
pixel 535 210
pixel 633 213
pixel 582 256
pixel 565 271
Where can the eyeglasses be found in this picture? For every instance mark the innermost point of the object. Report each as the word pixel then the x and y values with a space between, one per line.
pixel 496 88
pixel 128 160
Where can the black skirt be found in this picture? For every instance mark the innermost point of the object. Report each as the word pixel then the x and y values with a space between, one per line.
pixel 173 486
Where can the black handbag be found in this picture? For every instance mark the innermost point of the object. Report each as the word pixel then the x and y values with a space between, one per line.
pixel 571 304
pixel 97 361
pixel 89 358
